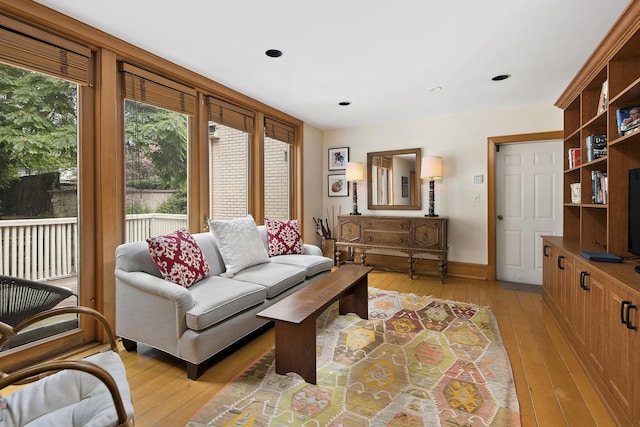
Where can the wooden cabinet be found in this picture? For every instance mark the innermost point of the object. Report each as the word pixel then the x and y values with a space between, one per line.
pixel 408 235
pixel 588 303
pixel 596 306
pixel 596 225
pixel 623 349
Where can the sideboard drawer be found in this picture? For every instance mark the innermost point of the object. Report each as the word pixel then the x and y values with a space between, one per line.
pixel 373 237
pixel 385 224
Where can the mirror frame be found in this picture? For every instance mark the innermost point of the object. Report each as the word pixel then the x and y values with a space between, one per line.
pixel 417 184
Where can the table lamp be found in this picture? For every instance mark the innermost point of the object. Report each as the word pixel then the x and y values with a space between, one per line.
pixel 354 173
pixel 431 169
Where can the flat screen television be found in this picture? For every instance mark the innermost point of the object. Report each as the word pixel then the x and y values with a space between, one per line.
pixel 634 211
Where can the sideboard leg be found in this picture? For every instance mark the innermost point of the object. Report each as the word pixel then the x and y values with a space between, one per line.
pixel 411 266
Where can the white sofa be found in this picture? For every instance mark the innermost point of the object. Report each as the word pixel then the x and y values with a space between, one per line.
pixel 198 322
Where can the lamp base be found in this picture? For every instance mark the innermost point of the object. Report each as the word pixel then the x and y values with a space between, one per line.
pixel 431 215
pixel 355 213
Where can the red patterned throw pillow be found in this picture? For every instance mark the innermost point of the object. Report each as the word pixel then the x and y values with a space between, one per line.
pixel 284 237
pixel 178 257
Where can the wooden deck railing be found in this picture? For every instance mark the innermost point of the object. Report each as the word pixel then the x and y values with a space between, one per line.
pixel 40 249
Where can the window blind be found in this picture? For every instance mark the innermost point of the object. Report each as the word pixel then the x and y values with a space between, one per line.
pixel 280 131
pixel 149 88
pixel 227 114
pixel 33 49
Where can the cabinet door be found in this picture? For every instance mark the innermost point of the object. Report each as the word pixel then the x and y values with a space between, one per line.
pixel 548 271
pixel 588 314
pixel 561 279
pixel 621 368
pixel 350 230
pixel 429 234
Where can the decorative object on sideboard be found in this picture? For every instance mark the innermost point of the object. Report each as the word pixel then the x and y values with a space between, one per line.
pixel 431 169
pixel 355 173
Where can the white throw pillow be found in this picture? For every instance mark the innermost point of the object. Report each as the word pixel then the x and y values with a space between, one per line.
pixel 239 243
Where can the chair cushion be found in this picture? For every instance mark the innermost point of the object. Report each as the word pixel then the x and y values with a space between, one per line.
pixel 239 243
pixel 284 237
pixel 178 257
pixel 276 278
pixel 70 398
pixel 217 298
pixel 310 264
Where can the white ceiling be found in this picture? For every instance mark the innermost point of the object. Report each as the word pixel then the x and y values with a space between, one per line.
pixel 382 56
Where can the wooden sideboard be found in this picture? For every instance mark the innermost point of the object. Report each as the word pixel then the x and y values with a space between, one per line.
pixel 407 235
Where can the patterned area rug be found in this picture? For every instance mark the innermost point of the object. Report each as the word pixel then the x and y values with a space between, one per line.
pixel 417 361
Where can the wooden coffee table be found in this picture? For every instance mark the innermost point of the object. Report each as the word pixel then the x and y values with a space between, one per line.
pixel 295 316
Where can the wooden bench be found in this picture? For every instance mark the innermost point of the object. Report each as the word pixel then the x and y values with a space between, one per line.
pixel 295 316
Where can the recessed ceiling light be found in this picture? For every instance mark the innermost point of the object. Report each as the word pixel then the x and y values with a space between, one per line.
pixel 500 77
pixel 344 103
pixel 434 88
pixel 273 53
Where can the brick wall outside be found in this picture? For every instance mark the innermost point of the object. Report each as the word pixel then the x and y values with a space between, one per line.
pixel 229 175
pixel 276 179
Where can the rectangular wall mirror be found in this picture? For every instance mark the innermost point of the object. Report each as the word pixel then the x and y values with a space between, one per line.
pixel 393 179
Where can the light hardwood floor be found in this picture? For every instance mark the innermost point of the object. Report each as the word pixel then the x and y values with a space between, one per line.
pixel 552 387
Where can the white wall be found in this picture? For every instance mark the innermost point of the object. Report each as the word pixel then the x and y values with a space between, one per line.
pixel 312 176
pixel 461 140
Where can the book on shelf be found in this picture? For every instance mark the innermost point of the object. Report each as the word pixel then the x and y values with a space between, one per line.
pixel 628 120
pixel 600 187
pixel 575 158
pixel 596 146
pixel 604 97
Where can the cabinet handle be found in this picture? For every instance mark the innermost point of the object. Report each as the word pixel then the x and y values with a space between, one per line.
pixel 622 313
pixel 369 238
pixel 401 239
pixel 629 324
pixel 560 263
pixel 401 226
pixel 369 225
pixel 583 285
pixel 545 250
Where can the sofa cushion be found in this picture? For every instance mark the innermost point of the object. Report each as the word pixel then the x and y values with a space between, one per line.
pixel 239 243
pixel 178 257
pixel 217 298
pixel 276 278
pixel 284 237
pixel 310 264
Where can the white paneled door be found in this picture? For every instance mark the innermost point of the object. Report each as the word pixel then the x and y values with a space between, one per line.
pixel 528 201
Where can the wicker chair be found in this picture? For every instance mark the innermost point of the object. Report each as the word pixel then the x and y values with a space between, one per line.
pixel 93 391
pixel 22 298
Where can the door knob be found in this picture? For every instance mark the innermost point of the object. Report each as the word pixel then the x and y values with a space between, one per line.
pixel 500 217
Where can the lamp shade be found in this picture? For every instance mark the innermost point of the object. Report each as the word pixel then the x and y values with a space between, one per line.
pixel 431 168
pixel 354 171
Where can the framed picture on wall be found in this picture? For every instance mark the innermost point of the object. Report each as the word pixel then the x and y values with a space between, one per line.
pixel 337 185
pixel 338 158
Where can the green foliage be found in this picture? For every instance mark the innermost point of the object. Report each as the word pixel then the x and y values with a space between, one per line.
pixel 38 123
pixel 159 136
pixel 177 204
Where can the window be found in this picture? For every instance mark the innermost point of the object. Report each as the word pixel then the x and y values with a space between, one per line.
pixel 40 85
pixel 156 117
pixel 278 140
pixel 230 132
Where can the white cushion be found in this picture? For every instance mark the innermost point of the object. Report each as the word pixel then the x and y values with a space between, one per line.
pixel 239 243
pixel 70 398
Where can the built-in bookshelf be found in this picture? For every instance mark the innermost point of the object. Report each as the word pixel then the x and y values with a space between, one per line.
pixel 595 303
pixel 599 221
